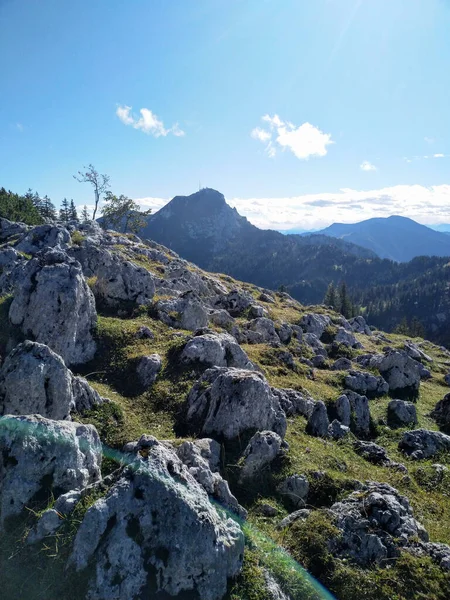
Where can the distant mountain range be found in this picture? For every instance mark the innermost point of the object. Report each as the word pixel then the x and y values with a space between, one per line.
pixel 396 238
pixel 204 229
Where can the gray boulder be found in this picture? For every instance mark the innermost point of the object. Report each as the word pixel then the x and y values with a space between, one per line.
pixel 359 325
pixel 294 489
pixel 347 338
pixel 422 443
pixel 318 421
pixel 293 402
pixel 35 380
pixel 185 312
pixel 311 340
pixel 44 237
pixel 360 413
pixel 42 458
pixel 374 523
pixel 415 352
pixel 375 454
pixel 263 448
pixel 315 323
pixel 235 302
pixel 342 364
pixel 156 533
pixel 260 331
pixel 148 368
pixel 216 350
pixel 337 430
pixel 401 413
pixel 447 379
pixel 9 229
pixel 284 332
pixel 256 311
pixel 319 361
pixel 54 305
pixel 401 372
pixel 226 402
pixel 441 413
pixel 366 383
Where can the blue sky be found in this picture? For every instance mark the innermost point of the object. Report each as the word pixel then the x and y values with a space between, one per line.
pixel 354 94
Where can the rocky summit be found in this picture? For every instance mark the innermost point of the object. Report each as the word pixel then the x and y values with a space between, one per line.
pixel 166 432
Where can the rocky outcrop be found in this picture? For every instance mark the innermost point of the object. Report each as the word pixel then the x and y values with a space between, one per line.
pixel 359 325
pixel 422 443
pixel 441 413
pixel 315 323
pixel 401 413
pixel 294 490
pixel 44 458
pixel 216 350
pixel 401 372
pixel 147 369
pixel 366 384
pixel 346 338
pixel 54 305
pixel 235 302
pixel 9 229
pixel 311 340
pixel 185 312
pixel 318 421
pixel 35 380
pixel 259 331
pixel 376 455
pixel 226 402
pixel 156 533
pixel 294 402
pixel 374 523
pixel 263 448
pixel 44 237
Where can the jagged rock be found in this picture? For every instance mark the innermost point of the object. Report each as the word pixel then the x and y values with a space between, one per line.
pixel 346 338
pixel 235 302
pixel 401 372
pixel 374 523
pixel 259 331
pixel 294 402
pixel 145 333
pixel 318 421
pixel 9 229
pixel 11 265
pixel 415 352
pixel 226 402
pixel 216 350
pixel 299 515
pixel 376 455
pixel 156 533
pixel 341 407
pixel 256 311
pixel 273 590
pixel 319 361
pixel 185 312
pixel 359 325
pixel 52 518
pixel 342 364
pixel 367 384
pixel 441 413
pixel 41 458
pixel 178 277
pixel 54 304
pixel 267 510
pixel 202 460
pixel 286 358
pixel 263 448
pixel 35 380
pixel 42 237
pixel 337 430
pixel 297 332
pixel 284 332
pixel 360 413
pixel 315 323
pixel 313 342
pixel 221 318
pixel 401 413
pixel 267 297
pixel 294 489
pixel 148 368
pixel 422 443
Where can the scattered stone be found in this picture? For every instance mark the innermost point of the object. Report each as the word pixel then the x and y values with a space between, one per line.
pixel 401 372
pixel 148 368
pixel 441 413
pixel 294 403
pixel 359 325
pixel 145 333
pixel 376 455
pixel 185 312
pixel 342 364
pixel 216 350
pixel 401 413
pixel 44 237
pixel 367 384
pixel 319 361
pixel 337 430
pixel 256 311
pixel 422 443
pixel 318 421
pixel 315 323
pixel 298 515
pixel 315 344
pixel 346 338
pixel 295 490
pixel 263 448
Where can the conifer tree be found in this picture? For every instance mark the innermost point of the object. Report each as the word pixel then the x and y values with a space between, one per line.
pixel 64 214
pixel 48 210
pixel 85 214
pixel 73 214
pixel 331 297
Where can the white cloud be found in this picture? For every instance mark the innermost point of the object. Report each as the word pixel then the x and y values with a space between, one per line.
pixel 303 141
pixel 20 127
pixel 438 155
pixel 367 166
pixel 148 122
pixel 428 205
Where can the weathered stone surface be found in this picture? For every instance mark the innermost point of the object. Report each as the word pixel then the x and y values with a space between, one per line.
pixel 374 522
pixel 359 325
pixel 11 265
pixel 367 384
pixel 299 515
pixel 284 332
pixel 42 457
pixel 226 402
pixel 235 302
pixel 342 364
pixel 145 333
pixel 263 448
pixel 273 590
pixel 216 350
pixel 256 311
pixel 441 413
pixel 337 430
pixel 359 417
pixel 373 453
pixel 319 361
pixel 9 229
pixel 447 379
pixel 293 402
pixel 401 413
pixel 346 338
pixel 315 323
pixel 318 421
pixel 295 490
pixel 259 331
pixel 35 380
pixel 156 533
pixel 54 304
pixel 415 352
pixel 185 312
pixel 401 372
pixel 148 368
pixel 313 342
pixel 44 236
pixel 422 443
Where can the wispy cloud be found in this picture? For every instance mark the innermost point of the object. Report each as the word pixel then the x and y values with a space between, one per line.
pixel 367 166
pixel 428 205
pixel 429 140
pixel 20 127
pixel 148 122
pixel 439 155
pixel 303 141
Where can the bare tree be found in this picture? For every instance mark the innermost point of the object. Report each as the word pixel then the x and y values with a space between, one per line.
pixel 100 183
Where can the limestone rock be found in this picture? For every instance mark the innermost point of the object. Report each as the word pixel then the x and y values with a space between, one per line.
pixel 318 421
pixel 337 430
pixel 263 448
pixel 441 413
pixel 185 312
pixel 359 325
pixel 295 490
pixel 156 533
pixel 43 237
pixel 216 350
pixel 315 344
pixel 401 413
pixel 54 304
pixel 226 402
pixel 148 368
pixel 43 457
pixel 342 364
pixel 347 338
pixel 294 402
pixel 401 372
pixel 367 384
pixel 315 323
pixel 422 443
